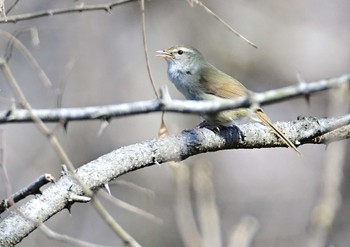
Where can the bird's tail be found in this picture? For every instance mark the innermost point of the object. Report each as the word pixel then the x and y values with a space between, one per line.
pixel 265 119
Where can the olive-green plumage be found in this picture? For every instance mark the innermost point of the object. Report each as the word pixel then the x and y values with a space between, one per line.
pixel 197 79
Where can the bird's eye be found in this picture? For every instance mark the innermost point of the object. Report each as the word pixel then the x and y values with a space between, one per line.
pixel 180 52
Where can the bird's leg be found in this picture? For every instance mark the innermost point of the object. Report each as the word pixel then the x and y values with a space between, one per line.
pixel 217 128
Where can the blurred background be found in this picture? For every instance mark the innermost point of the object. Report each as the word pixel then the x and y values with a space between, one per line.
pixel 98 59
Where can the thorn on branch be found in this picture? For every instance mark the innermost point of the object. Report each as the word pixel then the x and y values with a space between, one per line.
pixel 65 125
pixel 73 198
pixel 104 125
pixel 76 198
pixel 304 87
pixel 64 171
pixel 107 188
pixel 108 9
pixel 154 159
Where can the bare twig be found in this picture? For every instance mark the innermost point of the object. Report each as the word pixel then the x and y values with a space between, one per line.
pixel 12 6
pixel 183 208
pixel 13 41
pixel 144 40
pixel 148 192
pixel 63 80
pixel 222 21
pixel 126 237
pixel 66 239
pixel 110 111
pixel 31 189
pixel 131 208
pixel 77 8
pixel 10 44
pixel 208 215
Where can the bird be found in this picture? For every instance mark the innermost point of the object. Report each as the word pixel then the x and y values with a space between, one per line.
pixel 199 80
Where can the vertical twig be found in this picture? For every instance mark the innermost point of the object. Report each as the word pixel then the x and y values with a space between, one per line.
pixel 324 212
pixel 12 6
pixel 183 208
pixel 32 61
pixel 144 39
pixel 208 214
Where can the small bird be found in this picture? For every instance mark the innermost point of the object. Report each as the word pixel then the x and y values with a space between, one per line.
pixel 197 79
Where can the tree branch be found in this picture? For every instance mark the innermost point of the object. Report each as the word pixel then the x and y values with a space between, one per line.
pixel 31 189
pixel 171 148
pixel 79 8
pixel 165 104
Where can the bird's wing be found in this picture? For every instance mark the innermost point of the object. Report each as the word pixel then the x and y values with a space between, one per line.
pixel 266 120
pixel 218 83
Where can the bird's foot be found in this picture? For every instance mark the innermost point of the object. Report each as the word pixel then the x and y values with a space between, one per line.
pixel 213 127
pixel 217 128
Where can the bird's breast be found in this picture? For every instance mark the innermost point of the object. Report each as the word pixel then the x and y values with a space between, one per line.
pixel 186 82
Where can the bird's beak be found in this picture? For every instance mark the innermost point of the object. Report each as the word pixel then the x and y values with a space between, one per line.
pixel 163 54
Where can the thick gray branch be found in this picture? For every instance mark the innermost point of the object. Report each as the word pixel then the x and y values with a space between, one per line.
pixel 141 107
pixel 171 148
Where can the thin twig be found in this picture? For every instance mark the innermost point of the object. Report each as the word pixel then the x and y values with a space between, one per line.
pixel 208 215
pixel 78 8
pixel 12 7
pixel 144 40
pixel 66 239
pixel 131 208
pixel 108 218
pixel 222 21
pixel 64 79
pixel 10 44
pixel 128 184
pixel 185 218
pixel 32 61
pixel 31 189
